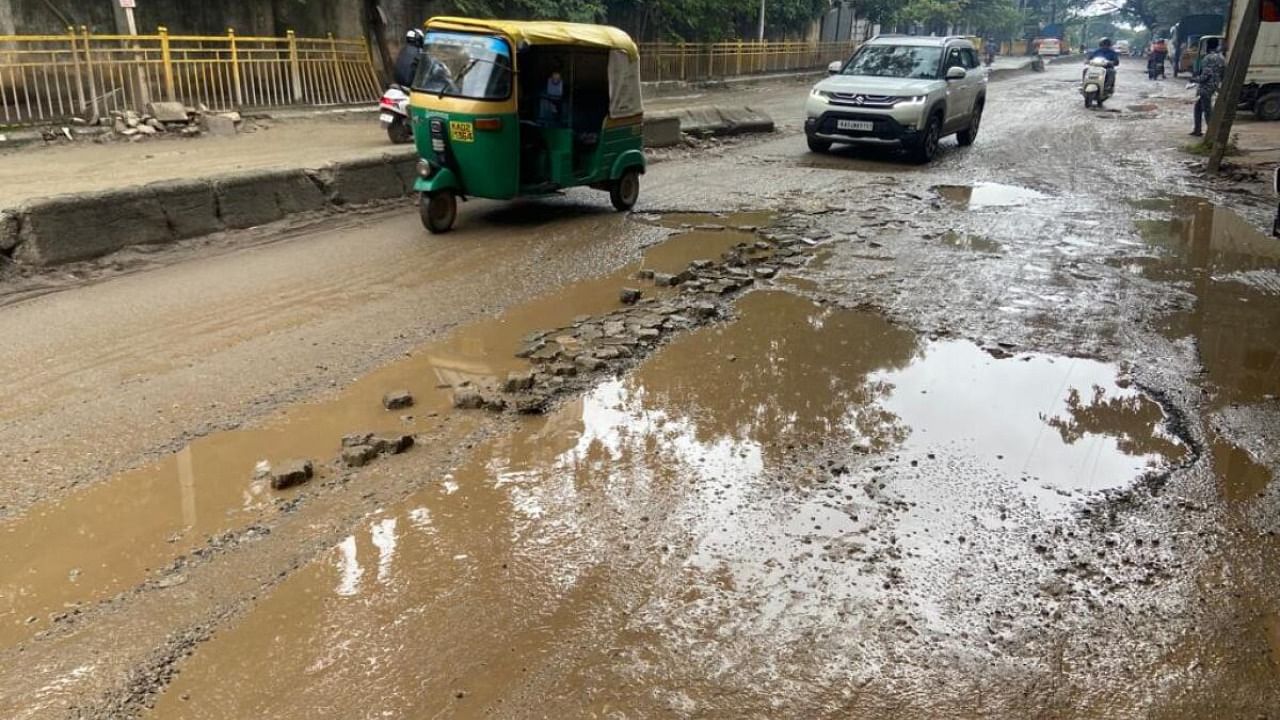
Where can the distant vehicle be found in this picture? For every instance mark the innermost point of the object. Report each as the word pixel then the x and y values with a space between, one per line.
pixel 1048 47
pixel 906 92
pixel 1186 39
pixel 394 114
pixel 1261 91
pixel 1122 47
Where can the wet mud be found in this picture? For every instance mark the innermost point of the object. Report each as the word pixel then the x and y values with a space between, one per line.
pixel 128 529
pixel 693 515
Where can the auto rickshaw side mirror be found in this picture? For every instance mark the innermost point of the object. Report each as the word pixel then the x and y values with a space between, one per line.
pixel 835 67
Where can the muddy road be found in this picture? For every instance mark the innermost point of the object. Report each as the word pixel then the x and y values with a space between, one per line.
pixel 990 438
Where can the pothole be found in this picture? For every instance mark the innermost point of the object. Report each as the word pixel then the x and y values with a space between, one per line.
pixel 987 194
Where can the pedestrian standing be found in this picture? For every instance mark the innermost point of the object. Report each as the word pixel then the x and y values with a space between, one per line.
pixel 1212 67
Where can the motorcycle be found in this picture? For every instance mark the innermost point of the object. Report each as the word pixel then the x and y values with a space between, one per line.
pixel 1094 83
pixel 1155 66
pixel 395 115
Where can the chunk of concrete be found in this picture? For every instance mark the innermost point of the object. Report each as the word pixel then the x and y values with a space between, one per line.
pixel 218 125
pixel 660 132
pixel 291 473
pixel 168 112
pixel 397 400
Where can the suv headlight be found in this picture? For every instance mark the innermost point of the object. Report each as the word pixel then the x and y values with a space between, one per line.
pixel 819 93
pixel 913 100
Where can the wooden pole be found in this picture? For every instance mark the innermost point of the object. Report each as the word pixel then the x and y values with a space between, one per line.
pixel 1224 112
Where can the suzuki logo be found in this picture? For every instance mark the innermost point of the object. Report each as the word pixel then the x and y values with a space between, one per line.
pixel 858 100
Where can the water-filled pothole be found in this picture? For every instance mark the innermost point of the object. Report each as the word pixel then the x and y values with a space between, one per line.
pixel 987 194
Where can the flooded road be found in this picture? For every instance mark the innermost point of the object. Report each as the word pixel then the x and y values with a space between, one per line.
pixel 984 439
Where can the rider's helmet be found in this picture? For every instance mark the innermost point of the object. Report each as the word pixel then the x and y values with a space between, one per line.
pixel 414 37
pixel 1104 42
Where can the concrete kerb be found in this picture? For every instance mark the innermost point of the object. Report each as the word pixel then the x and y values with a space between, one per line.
pixel 716 120
pixel 84 226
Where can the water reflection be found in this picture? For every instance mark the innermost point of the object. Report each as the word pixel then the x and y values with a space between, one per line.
pixel 987 194
pixel 1234 272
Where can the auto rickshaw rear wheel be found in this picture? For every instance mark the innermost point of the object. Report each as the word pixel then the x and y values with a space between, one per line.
pixel 625 191
pixel 439 210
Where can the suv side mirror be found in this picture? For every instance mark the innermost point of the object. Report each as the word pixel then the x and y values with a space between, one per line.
pixel 835 67
pixel 955 72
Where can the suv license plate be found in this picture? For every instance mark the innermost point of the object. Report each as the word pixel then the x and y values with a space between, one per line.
pixel 865 125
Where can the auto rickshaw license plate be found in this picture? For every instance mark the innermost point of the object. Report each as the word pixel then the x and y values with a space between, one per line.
pixel 462 131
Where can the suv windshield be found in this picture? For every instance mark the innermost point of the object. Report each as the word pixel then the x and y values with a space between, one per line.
pixel 900 61
pixel 477 67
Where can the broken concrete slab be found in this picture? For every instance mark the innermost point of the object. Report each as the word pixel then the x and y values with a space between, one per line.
pixel 218 125
pixel 360 181
pixel 630 296
pixel 660 132
pixel 260 197
pixel 292 473
pixel 397 400
pixel 168 112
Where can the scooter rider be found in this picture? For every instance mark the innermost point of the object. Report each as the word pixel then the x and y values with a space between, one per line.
pixel 407 60
pixel 1105 52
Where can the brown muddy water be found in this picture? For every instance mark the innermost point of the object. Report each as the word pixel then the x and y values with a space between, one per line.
pixel 1232 273
pixel 121 532
pixel 734 520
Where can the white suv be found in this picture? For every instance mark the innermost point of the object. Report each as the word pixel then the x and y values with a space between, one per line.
pixel 902 91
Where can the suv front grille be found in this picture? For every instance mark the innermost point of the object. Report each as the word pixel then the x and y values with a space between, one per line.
pixel 878 102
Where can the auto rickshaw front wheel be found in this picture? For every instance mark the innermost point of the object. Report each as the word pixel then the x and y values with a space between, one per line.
pixel 439 210
pixel 625 191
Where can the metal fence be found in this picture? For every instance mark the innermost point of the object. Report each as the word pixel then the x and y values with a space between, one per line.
pixel 53 77
pixel 708 61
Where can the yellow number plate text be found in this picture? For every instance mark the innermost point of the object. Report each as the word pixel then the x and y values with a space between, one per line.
pixel 462 131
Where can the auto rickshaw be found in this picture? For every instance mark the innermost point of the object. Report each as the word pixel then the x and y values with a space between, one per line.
pixel 505 109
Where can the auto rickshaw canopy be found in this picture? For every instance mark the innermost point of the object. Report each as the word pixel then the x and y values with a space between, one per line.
pixel 542 32
pixel 625 100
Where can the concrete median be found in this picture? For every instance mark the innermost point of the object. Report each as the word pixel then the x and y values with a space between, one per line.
pixel 84 226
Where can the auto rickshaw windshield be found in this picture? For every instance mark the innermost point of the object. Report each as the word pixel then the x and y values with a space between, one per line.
pixel 476 67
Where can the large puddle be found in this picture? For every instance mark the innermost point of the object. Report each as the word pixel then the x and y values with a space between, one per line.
pixel 114 535
pixel 576 565
pixel 1233 270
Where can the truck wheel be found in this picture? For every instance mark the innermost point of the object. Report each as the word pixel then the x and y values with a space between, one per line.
pixel 1267 107
pixel 968 135
pixel 927 146
pixel 439 210
pixel 399 131
pixel 625 191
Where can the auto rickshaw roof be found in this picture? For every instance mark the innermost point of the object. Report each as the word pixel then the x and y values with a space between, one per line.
pixel 543 32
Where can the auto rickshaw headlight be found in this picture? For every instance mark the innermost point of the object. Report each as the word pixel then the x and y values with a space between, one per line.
pixel 426 169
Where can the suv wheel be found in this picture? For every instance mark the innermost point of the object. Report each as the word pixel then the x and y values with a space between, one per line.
pixel 819 146
pixel 927 145
pixel 968 135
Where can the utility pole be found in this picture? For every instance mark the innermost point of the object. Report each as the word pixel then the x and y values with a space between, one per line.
pixel 141 89
pixel 762 2
pixel 1224 111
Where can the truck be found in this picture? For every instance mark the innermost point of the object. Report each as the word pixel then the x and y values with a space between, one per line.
pixel 1261 91
pixel 1186 35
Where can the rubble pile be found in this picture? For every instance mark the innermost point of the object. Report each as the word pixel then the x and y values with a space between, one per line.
pixel 173 119
pixel 567 359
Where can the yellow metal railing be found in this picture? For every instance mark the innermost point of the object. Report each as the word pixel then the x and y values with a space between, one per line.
pixel 54 77
pixel 708 61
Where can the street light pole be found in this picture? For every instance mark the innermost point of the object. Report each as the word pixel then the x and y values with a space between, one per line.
pixel 762 2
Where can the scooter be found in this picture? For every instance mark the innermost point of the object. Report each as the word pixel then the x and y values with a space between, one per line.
pixel 395 115
pixel 1093 84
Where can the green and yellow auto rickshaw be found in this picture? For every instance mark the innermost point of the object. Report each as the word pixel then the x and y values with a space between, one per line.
pixel 504 109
